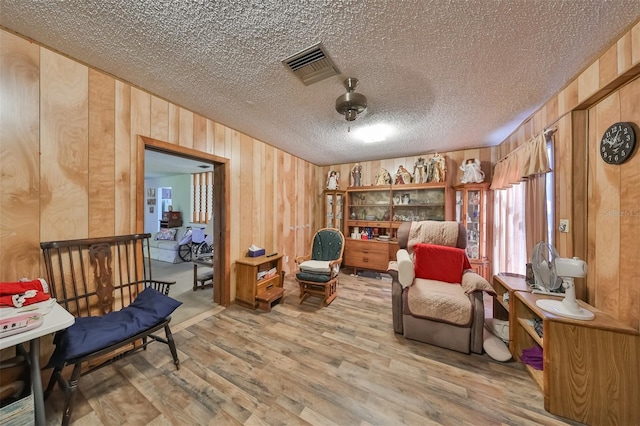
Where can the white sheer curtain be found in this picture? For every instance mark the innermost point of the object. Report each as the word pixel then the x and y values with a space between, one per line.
pixel 509 252
pixel 520 203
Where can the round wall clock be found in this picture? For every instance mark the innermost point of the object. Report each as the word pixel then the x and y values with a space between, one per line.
pixel 618 143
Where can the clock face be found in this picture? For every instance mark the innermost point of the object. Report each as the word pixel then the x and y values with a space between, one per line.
pixel 618 143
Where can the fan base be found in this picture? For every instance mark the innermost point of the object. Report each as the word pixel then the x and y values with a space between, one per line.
pixel 559 308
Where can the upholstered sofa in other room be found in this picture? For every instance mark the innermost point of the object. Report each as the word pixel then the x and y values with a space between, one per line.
pixel 436 312
pixel 164 248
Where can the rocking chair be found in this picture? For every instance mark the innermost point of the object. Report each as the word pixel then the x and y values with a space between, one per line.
pixel 318 271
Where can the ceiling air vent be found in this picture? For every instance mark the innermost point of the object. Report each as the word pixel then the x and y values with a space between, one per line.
pixel 311 65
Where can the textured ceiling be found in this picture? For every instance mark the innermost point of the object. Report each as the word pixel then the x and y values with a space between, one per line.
pixel 446 75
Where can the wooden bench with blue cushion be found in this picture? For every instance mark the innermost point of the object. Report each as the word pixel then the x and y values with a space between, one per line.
pixel 107 284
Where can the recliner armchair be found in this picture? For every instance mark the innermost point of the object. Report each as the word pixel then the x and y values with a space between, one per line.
pixel 429 310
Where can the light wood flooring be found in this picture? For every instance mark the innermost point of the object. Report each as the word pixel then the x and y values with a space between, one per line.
pixel 298 364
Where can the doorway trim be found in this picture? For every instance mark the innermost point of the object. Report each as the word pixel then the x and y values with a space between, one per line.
pixel 221 226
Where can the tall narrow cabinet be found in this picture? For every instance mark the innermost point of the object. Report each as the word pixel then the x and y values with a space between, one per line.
pixel 334 209
pixel 474 204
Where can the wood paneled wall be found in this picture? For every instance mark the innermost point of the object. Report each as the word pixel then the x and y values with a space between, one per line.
pixel 68 159
pixel 601 201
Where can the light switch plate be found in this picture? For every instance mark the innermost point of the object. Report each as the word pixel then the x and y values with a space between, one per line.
pixel 564 226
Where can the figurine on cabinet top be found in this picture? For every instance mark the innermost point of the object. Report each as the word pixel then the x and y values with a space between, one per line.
pixel 356 175
pixel 419 171
pixel 383 178
pixel 471 171
pixel 402 176
pixel 333 179
pixel 437 168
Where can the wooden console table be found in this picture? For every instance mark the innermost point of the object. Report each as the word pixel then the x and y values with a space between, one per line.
pixel 590 368
pixel 250 291
pixel 506 283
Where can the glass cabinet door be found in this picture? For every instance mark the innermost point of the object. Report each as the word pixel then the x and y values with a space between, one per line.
pixel 334 209
pixel 413 203
pixel 472 202
pixel 473 214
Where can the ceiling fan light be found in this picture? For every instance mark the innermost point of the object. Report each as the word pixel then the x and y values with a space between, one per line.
pixel 350 114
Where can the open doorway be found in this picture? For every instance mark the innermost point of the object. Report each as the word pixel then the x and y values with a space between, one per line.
pixel 221 268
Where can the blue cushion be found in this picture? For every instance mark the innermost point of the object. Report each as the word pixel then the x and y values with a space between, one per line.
pixel 90 334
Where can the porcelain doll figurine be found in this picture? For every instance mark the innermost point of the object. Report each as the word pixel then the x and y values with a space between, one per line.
pixel 402 176
pixel 439 168
pixel 383 177
pixel 420 171
pixel 471 171
pixel 333 180
pixel 356 175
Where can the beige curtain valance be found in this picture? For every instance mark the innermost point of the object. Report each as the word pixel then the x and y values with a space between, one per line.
pixel 527 160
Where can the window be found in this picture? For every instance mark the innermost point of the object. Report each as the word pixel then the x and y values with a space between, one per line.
pixel 524 206
pixel 509 253
pixel 550 194
pixel 201 197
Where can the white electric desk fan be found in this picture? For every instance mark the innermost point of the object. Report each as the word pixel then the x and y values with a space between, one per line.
pixel 551 271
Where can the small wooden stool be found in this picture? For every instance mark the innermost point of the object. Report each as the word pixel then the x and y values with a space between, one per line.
pixel 268 297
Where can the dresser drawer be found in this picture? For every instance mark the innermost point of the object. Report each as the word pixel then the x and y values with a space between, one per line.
pixel 267 284
pixel 367 255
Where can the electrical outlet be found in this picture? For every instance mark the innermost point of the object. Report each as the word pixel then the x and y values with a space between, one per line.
pixel 286 259
pixel 564 226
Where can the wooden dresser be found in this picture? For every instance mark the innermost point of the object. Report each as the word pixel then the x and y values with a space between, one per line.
pixel 171 220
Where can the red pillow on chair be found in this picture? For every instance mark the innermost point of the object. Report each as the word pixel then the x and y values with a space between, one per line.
pixel 440 263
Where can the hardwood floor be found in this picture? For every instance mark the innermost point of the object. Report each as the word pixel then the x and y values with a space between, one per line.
pixel 298 364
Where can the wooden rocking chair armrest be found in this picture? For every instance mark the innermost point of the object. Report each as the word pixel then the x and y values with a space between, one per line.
pixel 335 262
pixel 301 259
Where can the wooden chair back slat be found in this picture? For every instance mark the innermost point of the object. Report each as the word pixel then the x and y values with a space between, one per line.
pixel 95 276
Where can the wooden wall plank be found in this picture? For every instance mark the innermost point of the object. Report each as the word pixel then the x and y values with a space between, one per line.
pixel 186 128
pixel 101 154
pixel 140 125
pixel 210 137
pixel 235 203
pixel 122 159
pixel 270 203
pixel 608 66
pixel 174 124
pixel 19 158
pixel 63 143
pixel 629 312
pixel 635 45
pixel 605 203
pixel 199 133
pixel 219 140
pixel 589 82
pixel 159 118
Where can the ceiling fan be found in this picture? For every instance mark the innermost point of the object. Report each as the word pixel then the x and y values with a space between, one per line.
pixel 351 103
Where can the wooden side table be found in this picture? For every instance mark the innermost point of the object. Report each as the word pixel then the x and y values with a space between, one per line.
pixel 253 292
pixel 590 368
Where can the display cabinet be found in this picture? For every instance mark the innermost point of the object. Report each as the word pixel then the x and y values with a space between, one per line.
pixel 333 209
pixel 376 212
pixel 473 207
